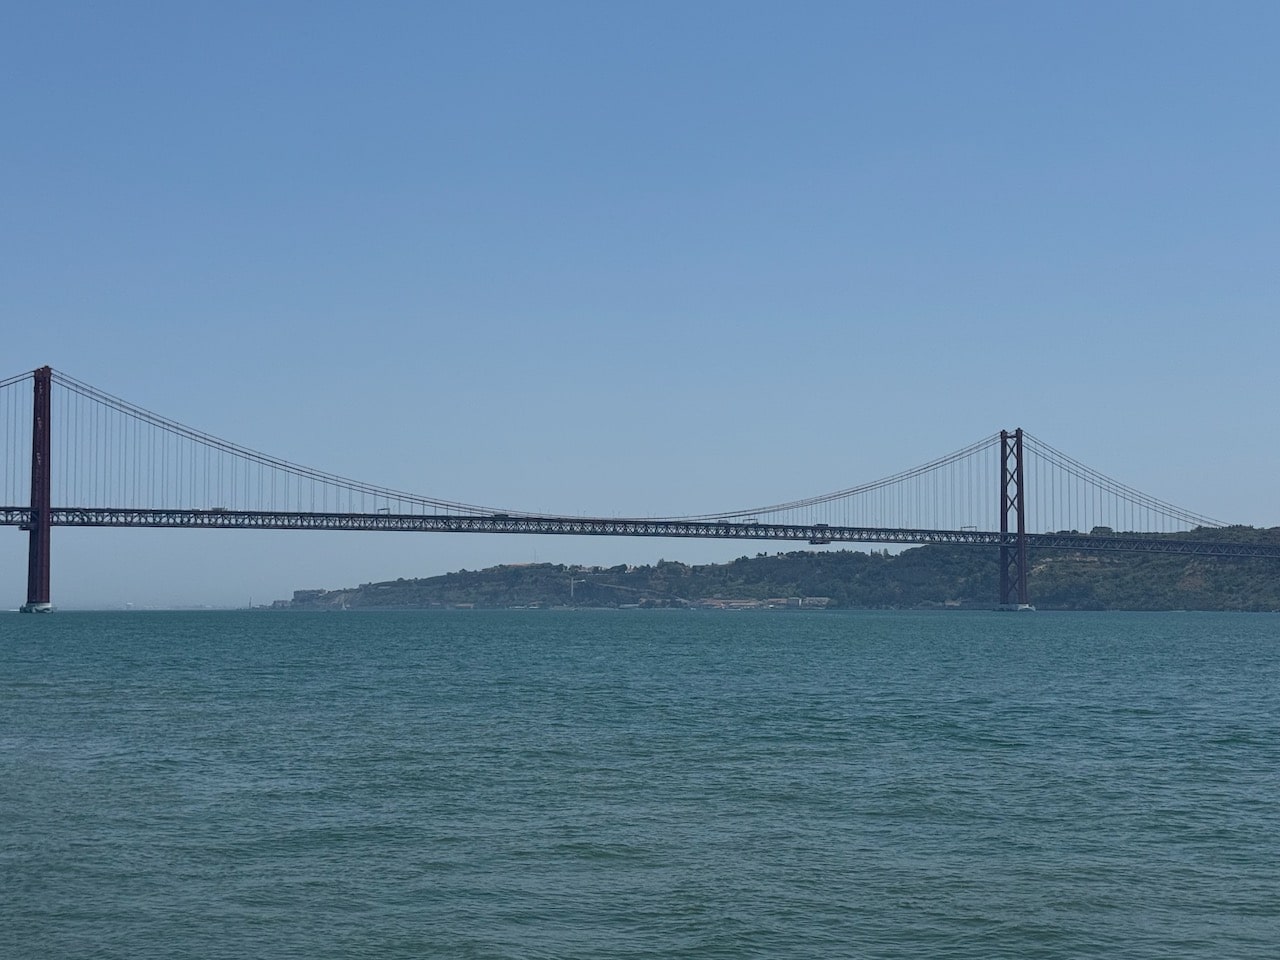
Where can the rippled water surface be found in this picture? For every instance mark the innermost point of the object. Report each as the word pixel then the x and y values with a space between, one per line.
pixel 639 784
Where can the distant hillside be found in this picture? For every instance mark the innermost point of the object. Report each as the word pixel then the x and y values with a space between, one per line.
pixel 931 576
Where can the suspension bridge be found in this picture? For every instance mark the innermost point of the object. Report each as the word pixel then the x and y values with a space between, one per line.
pixel 109 463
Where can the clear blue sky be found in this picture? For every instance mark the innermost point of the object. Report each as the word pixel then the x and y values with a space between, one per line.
pixel 640 258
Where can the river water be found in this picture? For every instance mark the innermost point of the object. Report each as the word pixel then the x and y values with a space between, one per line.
pixel 639 784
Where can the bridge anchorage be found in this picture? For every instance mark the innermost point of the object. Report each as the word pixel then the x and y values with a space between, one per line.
pixel 119 465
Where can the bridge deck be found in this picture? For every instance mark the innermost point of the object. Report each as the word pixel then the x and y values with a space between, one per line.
pixel 606 527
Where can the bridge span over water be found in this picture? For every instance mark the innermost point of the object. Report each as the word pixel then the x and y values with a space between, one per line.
pixel 99 461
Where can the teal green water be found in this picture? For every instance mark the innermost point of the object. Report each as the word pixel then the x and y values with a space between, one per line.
pixel 639 784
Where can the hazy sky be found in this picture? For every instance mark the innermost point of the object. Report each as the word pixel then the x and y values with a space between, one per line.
pixel 639 258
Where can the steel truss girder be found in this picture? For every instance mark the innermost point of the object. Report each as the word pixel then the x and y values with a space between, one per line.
pixel 455 523
pixel 608 527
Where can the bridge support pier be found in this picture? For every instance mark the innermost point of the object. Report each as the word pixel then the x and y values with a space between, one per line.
pixel 1013 550
pixel 41 485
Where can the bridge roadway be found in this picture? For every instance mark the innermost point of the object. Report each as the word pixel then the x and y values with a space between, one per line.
pixel 604 527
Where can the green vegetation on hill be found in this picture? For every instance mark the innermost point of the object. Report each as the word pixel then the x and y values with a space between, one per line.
pixel 931 576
